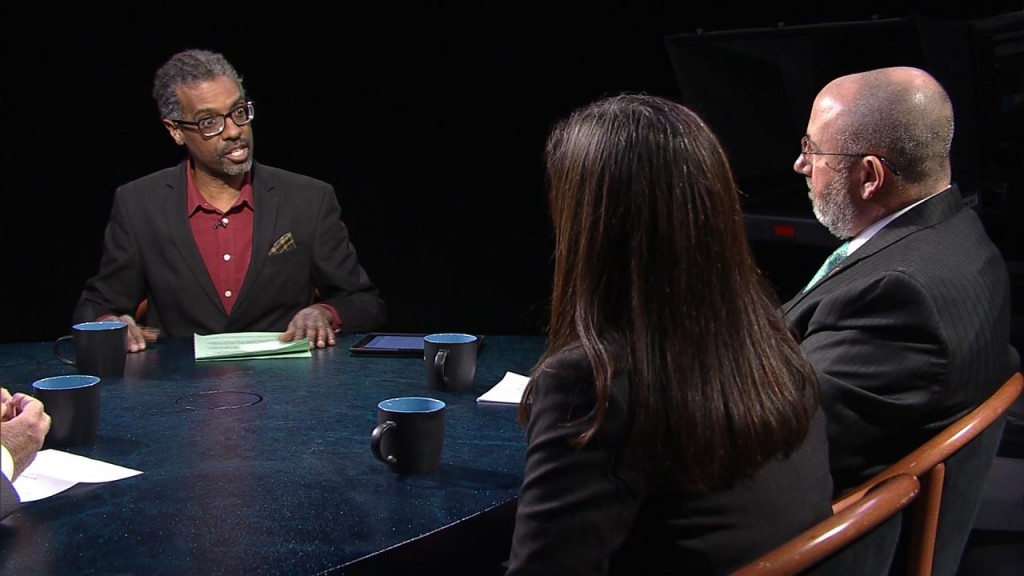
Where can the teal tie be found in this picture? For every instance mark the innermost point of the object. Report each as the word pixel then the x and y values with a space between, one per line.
pixel 833 260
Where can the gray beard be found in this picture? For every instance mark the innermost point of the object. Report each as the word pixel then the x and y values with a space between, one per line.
pixel 835 212
pixel 238 169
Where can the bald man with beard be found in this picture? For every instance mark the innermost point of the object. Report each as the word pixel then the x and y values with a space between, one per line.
pixel 911 330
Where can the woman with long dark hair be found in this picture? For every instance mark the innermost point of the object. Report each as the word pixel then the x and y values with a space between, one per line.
pixel 672 422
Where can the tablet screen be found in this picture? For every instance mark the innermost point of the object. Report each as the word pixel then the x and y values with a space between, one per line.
pixel 395 342
pixel 388 344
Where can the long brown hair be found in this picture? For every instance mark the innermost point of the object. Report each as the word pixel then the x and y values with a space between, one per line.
pixel 654 280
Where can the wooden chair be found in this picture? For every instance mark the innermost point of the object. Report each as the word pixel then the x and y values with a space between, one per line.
pixel 141 310
pixel 830 537
pixel 968 446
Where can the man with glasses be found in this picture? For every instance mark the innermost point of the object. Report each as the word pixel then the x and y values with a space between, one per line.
pixel 910 329
pixel 221 243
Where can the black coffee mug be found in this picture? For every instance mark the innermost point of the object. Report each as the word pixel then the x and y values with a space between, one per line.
pixel 410 434
pixel 73 403
pixel 99 348
pixel 450 361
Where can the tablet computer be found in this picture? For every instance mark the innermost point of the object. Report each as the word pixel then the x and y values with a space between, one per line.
pixel 393 344
pixel 388 344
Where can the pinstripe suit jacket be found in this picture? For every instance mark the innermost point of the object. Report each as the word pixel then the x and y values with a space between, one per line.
pixel 908 334
pixel 149 252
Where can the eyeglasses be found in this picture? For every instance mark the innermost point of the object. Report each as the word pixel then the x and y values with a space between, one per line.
pixel 805 150
pixel 212 125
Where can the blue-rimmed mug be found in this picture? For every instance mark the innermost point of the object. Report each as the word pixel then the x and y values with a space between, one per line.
pixel 410 434
pixel 73 403
pixel 99 348
pixel 450 361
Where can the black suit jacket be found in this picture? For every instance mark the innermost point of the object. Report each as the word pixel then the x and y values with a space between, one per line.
pixel 908 334
pixel 584 511
pixel 9 500
pixel 149 252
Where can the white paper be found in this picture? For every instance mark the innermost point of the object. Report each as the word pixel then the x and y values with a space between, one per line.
pixel 54 471
pixel 508 391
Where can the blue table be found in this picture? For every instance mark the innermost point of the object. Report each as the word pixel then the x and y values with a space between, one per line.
pixel 283 483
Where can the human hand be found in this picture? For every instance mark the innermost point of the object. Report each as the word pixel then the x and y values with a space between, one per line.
pixel 137 336
pixel 8 407
pixel 313 322
pixel 25 424
pixel 5 397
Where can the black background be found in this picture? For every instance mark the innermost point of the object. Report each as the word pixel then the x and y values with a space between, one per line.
pixel 429 123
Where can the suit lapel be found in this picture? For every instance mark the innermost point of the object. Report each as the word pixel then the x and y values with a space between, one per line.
pixel 936 209
pixel 176 212
pixel 265 198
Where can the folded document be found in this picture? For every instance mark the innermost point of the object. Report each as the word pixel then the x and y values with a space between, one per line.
pixel 53 471
pixel 248 346
pixel 508 391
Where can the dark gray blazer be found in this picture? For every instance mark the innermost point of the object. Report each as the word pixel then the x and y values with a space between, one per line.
pixel 149 252
pixel 8 498
pixel 908 334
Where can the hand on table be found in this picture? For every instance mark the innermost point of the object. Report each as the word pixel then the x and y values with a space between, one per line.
pixel 313 322
pixel 137 336
pixel 25 424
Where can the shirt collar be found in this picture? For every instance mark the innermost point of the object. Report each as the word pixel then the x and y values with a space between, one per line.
pixel 195 201
pixel 873 229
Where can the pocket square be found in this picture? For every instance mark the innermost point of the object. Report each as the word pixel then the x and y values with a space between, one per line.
pixel 282 245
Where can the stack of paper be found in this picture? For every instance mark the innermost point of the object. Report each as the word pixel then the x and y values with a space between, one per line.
pixel 248 346
pixel 508 391
pixel 53 471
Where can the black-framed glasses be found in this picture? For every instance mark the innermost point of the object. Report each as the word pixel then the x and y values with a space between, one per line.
pixel 805 150
pixel 212 125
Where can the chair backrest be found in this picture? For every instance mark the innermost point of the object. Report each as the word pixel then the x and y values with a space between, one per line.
pixel 952 468
pixel 832 536
pixel 141 310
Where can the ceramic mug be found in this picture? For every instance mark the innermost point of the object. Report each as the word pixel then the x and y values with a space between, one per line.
pixel 99 348
pixel 450 361
pixel 410 434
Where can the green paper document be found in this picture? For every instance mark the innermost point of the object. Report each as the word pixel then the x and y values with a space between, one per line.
pixel 248 346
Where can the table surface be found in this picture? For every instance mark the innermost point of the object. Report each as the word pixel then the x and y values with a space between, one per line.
pixel 284 483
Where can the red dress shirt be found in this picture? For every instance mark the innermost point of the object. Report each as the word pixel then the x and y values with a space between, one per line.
pixel 224 240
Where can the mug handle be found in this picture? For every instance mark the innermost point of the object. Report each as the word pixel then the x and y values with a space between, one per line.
pixel 377 436
pixel 56 350
pixel 439 360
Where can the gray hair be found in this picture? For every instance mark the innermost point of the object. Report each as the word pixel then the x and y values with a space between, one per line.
pixel 189 68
